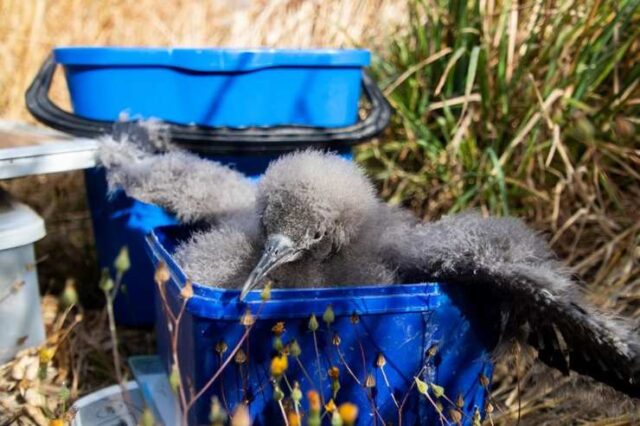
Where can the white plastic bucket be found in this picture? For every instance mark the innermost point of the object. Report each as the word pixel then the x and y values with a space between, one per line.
pixel 20 315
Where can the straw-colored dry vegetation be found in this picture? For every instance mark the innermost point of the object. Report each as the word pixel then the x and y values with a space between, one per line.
pixel 525 107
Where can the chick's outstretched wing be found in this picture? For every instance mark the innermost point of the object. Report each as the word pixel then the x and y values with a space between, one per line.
pixel 192 188
pixel 519 290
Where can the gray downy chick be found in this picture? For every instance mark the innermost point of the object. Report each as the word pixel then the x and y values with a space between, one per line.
pixel 318 209
pixel 314 220
pixel 282 197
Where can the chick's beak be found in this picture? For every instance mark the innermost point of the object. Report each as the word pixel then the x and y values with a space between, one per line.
pixel 278 250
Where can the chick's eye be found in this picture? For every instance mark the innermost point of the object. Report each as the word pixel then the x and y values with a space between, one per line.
pixel 317 235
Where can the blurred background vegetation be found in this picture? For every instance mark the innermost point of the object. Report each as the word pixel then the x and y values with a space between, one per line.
pixel 524 107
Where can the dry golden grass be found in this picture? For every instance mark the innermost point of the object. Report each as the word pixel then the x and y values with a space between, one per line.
pixel 29 29
pixel 542 122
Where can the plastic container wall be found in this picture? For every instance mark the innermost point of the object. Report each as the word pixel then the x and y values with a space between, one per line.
pixel 401 323
pixel 20 313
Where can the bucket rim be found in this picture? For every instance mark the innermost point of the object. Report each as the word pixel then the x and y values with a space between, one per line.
pixel 217 303
pixel 209 59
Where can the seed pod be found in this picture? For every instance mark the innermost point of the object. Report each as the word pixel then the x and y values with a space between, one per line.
pixel 335 388
pixel 313 323
pixel 438 391
pixel 278 329
pixel 187 290
pixel 336 340
pixel 240 357
pixel 330 406
pixel 174 379
pixel 484 380
pixel 432 351
pixel 294 349
pixel 277 344
pixel 370 382
pixel 477 418
pixel 296 393
pixel 328 317
pixel 217 414
pixel 122 262
pixel 488 407
pixel 106 283
pixel 69 296
pixel 147 418
pixel 336 420
pixel 455 416
pixel 460 401
pixel 423 387
pixel 162 274
pixel 241 416
pixel 266 292
pixel 278 395
pixel 334 373
pixel 247 318
pixel 221 347
pixel 64 393
pixel 381 361
pixel 314 419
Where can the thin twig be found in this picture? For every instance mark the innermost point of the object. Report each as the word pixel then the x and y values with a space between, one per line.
pixel 114 338
pixel 12 290
pixel 175 353
pixel 315 345
pixel 113 334
pixel 284 415
pixel 304 371
pixel 406 395
pixel 344 362
pixel 222 367
pixel 364 360
pixel 386 382
pixel 222 393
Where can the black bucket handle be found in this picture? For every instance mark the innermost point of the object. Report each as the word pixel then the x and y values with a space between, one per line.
pixel 218 140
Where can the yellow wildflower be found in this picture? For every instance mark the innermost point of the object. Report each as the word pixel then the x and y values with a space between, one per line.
pixel 348 412
pixel 314 400
pixel 279 365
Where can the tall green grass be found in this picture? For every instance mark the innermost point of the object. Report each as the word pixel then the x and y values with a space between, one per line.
pixel 498 101
pixel 529 108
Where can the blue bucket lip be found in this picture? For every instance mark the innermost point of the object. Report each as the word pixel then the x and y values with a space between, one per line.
pixel 210 59
pixel 215 303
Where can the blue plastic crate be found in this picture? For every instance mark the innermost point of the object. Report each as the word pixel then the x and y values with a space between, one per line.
pixel 216 87
pixel 210 87
pixel 400 322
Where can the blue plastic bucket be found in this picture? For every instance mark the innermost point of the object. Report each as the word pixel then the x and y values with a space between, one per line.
pixel 216 87
pixel 401 323
pixel 201 87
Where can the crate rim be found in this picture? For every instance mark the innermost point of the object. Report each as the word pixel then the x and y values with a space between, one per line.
pixel 216 303
pixel 210 59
